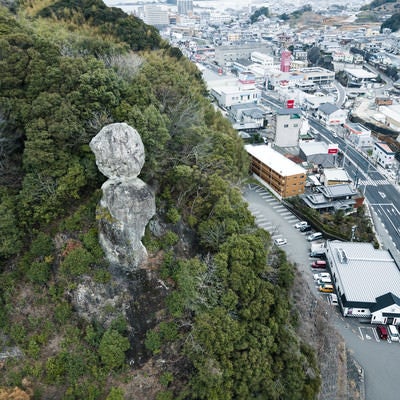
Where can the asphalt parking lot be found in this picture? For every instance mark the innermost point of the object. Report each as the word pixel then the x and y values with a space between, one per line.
pixel 379 358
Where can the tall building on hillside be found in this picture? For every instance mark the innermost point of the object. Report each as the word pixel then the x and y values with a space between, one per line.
pixel 185 7
pixel 155 15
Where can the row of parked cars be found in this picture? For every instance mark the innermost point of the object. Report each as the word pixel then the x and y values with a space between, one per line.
pixel 389 332
pixel 323 279
pixel 304 226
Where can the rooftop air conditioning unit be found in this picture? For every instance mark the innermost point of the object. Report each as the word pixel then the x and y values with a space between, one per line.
pixel 342 256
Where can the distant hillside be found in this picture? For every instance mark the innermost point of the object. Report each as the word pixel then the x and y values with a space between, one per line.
pixel 393 23
pixel 108 20
pixel 376 3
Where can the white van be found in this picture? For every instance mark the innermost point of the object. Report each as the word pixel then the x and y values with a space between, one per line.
pixel 393 333
pixel 315 236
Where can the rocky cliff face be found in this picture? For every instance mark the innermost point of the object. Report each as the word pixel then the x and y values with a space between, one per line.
pixel 128 203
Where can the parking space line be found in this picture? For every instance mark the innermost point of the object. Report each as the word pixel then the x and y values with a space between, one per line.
pixel 375 334
pixel 361 334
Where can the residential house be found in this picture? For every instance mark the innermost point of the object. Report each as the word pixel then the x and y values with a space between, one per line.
pixel 332 198
pixel 247 116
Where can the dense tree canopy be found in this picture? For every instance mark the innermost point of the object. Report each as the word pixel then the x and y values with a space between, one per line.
pixel 393 23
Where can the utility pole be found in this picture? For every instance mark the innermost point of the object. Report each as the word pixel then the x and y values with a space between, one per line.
pixel 353 231
pixel 344 155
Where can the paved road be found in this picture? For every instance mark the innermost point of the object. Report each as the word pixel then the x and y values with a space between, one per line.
pixel 379 359
pixel 381 195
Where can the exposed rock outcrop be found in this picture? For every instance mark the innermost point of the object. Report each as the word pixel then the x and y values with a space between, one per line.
pixel 127 203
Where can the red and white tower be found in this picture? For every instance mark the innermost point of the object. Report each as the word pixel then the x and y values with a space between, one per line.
pixel 285 60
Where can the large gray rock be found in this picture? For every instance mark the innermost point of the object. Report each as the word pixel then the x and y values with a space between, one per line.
pixel 119 151
pixel 131 204
pixel 128 203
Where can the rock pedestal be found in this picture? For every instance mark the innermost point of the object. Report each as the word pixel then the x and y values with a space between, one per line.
pixel 127 203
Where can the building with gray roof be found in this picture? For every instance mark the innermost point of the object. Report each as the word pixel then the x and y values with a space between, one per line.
pixel 331 114
pixel 331 198
pixel 367 281
pixel 317 153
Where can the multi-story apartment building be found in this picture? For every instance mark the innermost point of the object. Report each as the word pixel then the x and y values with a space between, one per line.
pixel 281 175
pixel 185 7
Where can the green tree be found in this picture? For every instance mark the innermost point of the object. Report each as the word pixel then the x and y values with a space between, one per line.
pixel 76 262
pixel 10 235
pixel 112 349
pixel 115 394
pixel 263 11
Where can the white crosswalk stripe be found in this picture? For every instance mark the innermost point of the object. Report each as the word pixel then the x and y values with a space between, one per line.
pixel 371 182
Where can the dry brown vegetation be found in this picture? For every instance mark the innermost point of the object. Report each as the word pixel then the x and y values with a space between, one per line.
pixel 316 329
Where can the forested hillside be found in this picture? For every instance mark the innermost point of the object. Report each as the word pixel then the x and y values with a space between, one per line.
pixel 227 328
pixel 392 23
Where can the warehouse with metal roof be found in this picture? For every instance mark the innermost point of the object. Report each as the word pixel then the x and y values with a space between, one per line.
pixel 367 281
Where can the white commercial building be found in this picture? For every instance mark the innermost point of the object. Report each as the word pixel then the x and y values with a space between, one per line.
pixel 317 153
pixel 288 123
pixel 359 77
pixel 227 96
pixel 265 60
pixel 392 116
pixel 367 281
pixel 330 114
pixel 358 135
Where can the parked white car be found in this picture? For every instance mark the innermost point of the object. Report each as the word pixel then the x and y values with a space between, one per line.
pixel 280 241
pixel 333 298
pixel 322 281
pixel 322 275
pixel 301 224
